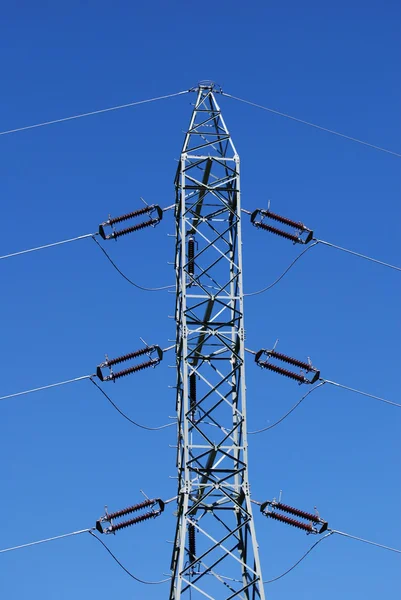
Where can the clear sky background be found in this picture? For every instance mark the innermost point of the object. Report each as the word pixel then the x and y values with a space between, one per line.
pixel 65 453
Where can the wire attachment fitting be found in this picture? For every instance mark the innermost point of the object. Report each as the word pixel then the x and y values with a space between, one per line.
pixel 299 227
pixel 305 366
pixel 110 517
pixel 155 354
pixel 154 211
pixel 269 507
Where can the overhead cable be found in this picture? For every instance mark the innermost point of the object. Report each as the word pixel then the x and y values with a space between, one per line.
pixel 124 568
pixel 140 287
pixel 289 412
pixel 94 112
pixel 46 387
pixel 126 416
pixel 345 387
pixel 79 237
pixel 379 262
pixel 281 114
pixel 301 559
pixel 359 539
pixel 271 285
pixel 51 539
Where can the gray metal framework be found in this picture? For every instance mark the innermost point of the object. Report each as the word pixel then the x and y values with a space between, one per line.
pixel 215 552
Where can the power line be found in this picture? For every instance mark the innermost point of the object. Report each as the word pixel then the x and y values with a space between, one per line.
pixel 354 537
pixel 301 559
pixel 80 237
pixel 45 387
pixel 284 272
pixel 124 568
pixel 289 412
pixel 140 287
pixel 347 137
pixel 380 262
pixel 126 416
pixel 51 539
pixel 345 387
pixel 315 242
pixel 94 112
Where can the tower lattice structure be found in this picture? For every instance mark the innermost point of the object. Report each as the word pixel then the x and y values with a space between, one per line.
pixel 215 553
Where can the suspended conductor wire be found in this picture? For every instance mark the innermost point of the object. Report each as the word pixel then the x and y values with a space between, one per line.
pixel 354 537
pixel 345 387
pixel 347 137
pixel 140 287
pixel 379 262
pixel 124 568
pixel 51 539
pixel 126 416
pixel 284 273
pixel 289 412
pixel 94 112
pixel 80 237
pixel 45 387
pixel 301 559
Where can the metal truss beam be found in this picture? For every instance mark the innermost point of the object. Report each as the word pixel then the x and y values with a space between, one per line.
pixel 215 552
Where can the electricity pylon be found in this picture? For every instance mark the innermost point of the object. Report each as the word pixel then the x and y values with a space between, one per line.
pixel 215 552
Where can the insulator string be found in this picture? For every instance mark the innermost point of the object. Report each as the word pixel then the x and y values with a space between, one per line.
pixel 281 371
pixel 134 521
pixel 296 511
pixel 289 521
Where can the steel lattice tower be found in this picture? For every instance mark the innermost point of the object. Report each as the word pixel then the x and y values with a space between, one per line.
pixel 215 552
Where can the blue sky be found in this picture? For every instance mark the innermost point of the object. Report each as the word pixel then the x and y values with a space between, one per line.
pixel 66 453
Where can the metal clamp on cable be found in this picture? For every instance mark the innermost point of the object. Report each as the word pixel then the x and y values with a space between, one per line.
pixel 300 227
pixel 305 366
pixel 156 351
pixel 268 509
pixel 154 211
pixel 110 517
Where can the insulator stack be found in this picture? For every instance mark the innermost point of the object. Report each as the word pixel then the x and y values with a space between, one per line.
pixel 114 361
pixel 149 515
pixel 127 230
pixel 131 215
pixel 285 372
pixel 135 369
pixel 280 232
pixel 284 220
pixel 149 210
pixel 125 511
pixel 296 512
pixel 192 392
pixel 290 360
pixel 300 227
pixel 289 521
pixel 191 543
pixel 153 362
pixel 191 254
pixel 134 508
pixel 287 359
